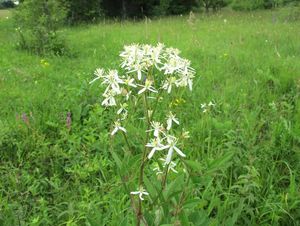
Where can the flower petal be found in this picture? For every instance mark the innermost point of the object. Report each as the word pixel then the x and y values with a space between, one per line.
pixel 179 151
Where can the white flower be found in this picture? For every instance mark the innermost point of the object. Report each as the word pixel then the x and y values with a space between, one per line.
pixel 122 108
pixel 206 107
pixel 127 95
pixel 147 86
pixel 156 168
pixel 113 80
pixel 211 104
pixel 172 146
pixel 185 134
pixel 186 79
pixel 138 68
pixel 109 98
pixel 171 165
pixel 124 115
pixel 157 128
pixel 168 83
pixel 171 118
pixel 156 54
pixel 130 82
pixel 117 128
pixel 156 145
pixel 171 65
pixel 203 107
pixel 140 193
pixel 99 74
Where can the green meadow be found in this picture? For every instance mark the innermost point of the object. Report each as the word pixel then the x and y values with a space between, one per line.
pixel 243 154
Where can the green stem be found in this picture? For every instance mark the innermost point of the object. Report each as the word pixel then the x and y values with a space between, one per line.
pixel 127 142
pixel 141 176
pixel 164 181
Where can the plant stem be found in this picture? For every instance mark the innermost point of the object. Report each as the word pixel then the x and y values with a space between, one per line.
pixel 127 142
pixel 164 180
pixel 141 176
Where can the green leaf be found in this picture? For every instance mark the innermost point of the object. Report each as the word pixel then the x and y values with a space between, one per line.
pixel 150 187
pixel 117 160
pixel 222 162
pixel 196 166
pixel 175 186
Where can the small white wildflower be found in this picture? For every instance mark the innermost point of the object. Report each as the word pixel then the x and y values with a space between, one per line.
pixel 113 80
pixel 171 65
pixel 171 165
pixel 130 82
pixel 168 83
pixel 147 86
pixel 203 107
pixel 138 68
pixel 171 118
pixel 211 104
pixel 140 193
pixel 185 134
pixel 122 108
pixel 109 98
pixel 156 145
pixel 157 128
pixel 186 79
pixel 124 115
pixel 172 141
pixel 117 128
pixel 157 169
pixel 99 74
pixel 127 96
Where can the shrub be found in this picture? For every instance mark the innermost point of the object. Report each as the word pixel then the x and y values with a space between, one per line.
pixel 247 4
pixel 82 10
pixel 37 24
pixel 6 4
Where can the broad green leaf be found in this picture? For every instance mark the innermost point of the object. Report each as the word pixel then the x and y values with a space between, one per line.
pixel 196 166
pixel 220 163
pixel 117 159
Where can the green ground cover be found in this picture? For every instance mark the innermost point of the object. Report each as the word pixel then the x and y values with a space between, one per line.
pixel 245 151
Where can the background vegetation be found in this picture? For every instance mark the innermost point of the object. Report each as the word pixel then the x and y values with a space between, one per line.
pixel 57 167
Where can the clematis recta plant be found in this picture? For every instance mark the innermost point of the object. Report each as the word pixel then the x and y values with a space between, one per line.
pixel 147 74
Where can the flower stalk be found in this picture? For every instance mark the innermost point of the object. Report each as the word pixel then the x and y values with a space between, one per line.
pixel 150 71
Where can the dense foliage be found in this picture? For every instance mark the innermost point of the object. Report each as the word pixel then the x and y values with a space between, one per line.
pixel 37 23
pixel 260 4
pixel 4 4
pixel 59 165
pixel 95 9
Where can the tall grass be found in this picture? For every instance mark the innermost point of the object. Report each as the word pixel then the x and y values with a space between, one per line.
pixel 244 157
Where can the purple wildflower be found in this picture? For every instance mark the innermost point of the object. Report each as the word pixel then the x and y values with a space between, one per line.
pixel 69 120
pixel 25 119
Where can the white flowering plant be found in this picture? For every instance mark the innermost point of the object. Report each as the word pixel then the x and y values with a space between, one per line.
pixel 148 75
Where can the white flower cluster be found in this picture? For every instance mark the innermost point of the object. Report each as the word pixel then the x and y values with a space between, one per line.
pixel 206 107
pixel 163 140
pixel 139 62
pixel 171 166
pixel 148 70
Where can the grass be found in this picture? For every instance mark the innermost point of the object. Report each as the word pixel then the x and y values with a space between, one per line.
pixel 4 13
pixel 244 154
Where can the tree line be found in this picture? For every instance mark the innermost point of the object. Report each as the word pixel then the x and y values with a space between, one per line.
pixel 91 10
pixel 37 21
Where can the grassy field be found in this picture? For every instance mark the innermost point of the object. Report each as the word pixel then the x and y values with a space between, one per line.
pixel 245 151
pixel 4 13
